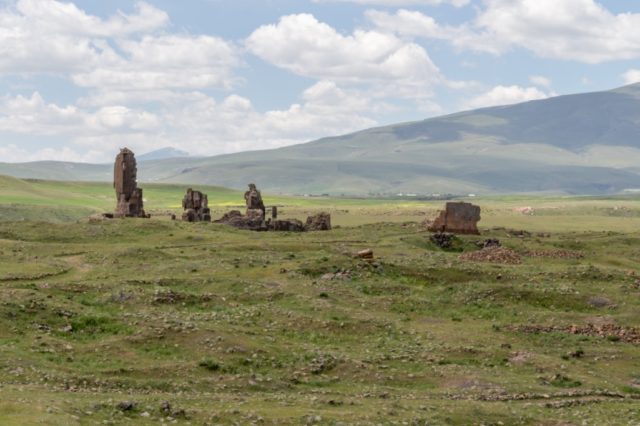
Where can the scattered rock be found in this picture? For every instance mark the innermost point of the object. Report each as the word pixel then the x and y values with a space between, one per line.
pixel 555 254
pixel 600 302
pixel 493 255
pixel 344 275
pixel 489 242
pixel 126 406
pixel 365 254
pixel 518 233
pixel 443 240
pixel 610 331
pixel 520 357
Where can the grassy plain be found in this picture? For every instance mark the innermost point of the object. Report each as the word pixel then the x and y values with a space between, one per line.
pixel 235 327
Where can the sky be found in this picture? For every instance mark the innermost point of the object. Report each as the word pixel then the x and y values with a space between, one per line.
pixel 81 79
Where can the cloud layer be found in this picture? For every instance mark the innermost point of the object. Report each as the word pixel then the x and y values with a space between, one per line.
pixel 137 78
pixel 581 30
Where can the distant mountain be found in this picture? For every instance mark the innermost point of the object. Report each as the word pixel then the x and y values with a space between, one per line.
pixel 579 144
pixel 163 154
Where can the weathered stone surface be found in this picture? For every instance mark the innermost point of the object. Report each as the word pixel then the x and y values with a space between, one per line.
pixel 253 220
pixel 365 254
pixel 253 199
pixel 196 207
pixel 128 195
pixel 319 222
pixel 290 225
pixel 458 218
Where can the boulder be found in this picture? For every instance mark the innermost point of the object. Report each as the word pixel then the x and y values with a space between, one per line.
pixel 365 254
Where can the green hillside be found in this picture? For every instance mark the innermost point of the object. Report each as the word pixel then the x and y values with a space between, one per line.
pixel 578 144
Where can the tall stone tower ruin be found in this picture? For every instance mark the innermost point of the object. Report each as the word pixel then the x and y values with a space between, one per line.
pixel 128 194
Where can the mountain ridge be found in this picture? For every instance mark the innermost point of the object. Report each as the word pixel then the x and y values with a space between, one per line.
pixel 578 144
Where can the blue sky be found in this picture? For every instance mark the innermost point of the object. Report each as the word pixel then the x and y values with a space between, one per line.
pixel 80 79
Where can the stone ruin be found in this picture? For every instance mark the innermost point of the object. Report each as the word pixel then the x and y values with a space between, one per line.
pixel 457 218
pixel 196 207
pixel 253 199
pixel 290 225
pixel 252 221
pixel 129 196
pixel 254 217
pixel 319 222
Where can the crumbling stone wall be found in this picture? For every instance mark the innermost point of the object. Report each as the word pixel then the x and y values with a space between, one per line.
pixel 252 221
pixel 254 218
pixel 458 218
pixel 196 207
pixel 128 195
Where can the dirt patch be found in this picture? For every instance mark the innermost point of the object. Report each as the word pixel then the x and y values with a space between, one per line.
pixel 520 357
pixel 493 255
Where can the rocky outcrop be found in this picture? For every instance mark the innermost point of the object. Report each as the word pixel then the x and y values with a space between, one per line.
pixel 319 222
pixel 196 207
pixel 128 195
pixel 457 218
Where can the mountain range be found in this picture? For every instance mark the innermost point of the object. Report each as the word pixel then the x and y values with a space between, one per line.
pixel 576 144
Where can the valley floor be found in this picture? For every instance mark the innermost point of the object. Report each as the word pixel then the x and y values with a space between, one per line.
pixel 150 321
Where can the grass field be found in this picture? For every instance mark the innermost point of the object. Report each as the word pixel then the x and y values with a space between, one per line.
pixel 104 322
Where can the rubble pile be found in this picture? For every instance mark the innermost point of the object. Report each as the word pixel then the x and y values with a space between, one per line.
pixel 493 255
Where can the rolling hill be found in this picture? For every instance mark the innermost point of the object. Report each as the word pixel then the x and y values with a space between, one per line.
pixel 578 144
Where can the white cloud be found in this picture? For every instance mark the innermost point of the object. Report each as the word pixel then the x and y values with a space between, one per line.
pixel 580 30
pixel 32 115
pixel 50 36
pixel 325 109
pixel 411 23
pixel 307 47
pixel 58 17
pixel 165 62
pixel 119 52
pixel 195 122
pixel 456 3
pixel 505 95
pixel 631 76
pixel 540 80
pixel 13 154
